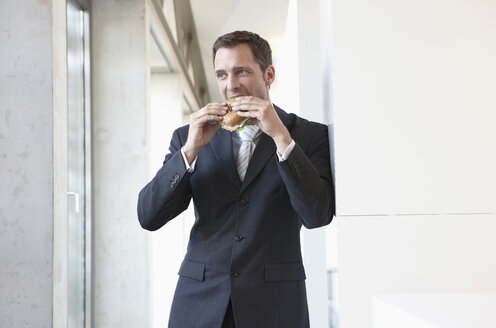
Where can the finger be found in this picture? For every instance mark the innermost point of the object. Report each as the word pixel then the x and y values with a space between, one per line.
pixel 246 108
pixel 256 105
pixel 209 118
pixel 255 116
pixel 215 106
pixel 245 99
pixel 247 113
pixel 213 110
pixel 201 117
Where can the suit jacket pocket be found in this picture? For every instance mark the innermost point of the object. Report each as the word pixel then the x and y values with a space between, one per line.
pixel 193 270
pixel 284 271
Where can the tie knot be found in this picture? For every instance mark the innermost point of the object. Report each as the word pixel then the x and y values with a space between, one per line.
pixel 248 133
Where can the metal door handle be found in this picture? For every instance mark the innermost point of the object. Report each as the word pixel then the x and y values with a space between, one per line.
pixel 76 200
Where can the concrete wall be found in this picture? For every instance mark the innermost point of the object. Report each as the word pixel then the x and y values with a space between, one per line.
pixel 60 164
pixel 415 157
pixel 120 144
pixel 26 160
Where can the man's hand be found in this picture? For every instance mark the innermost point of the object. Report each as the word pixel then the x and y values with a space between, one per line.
pixel 265 117
pixel 203 125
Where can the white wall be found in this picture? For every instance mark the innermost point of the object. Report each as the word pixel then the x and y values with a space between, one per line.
pixel 414 116
pixel 120 76
pixel 310 17
pixel 391 259
pixel 302 67
pixel 414 106
pixel 26 164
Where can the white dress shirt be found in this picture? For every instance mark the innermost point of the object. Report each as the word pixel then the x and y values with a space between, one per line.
pixel 236 142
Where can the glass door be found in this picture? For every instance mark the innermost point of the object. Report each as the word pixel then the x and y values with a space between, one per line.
pixel 78 132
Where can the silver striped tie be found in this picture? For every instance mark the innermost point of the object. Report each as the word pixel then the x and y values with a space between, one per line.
pixel 246 149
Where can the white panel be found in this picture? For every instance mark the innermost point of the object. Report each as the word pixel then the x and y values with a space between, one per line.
pixel 414 255
pixel 434 310
pixel 414 106
pixel 387 315
pixel 310 96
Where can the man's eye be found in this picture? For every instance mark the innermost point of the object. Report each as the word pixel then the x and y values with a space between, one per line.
pixel 221 76
pixel 242 72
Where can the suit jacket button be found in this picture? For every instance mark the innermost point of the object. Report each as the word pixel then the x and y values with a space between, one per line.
pixel 238 237
pixel 234 274
pixel 174 180
pixel 242 202
pixel 296 169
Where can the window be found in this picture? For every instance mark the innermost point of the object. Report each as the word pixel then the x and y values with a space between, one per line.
pixel 78 164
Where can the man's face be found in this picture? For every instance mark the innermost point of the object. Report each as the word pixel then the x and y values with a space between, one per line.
pixel 238 74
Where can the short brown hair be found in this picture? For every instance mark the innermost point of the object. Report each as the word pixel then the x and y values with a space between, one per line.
pixel 259 46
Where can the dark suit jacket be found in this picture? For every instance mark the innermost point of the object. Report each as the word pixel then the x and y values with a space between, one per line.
pixel 245 243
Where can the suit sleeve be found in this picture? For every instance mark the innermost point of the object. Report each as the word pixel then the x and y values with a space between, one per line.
pixel 168 193
pixel 308 179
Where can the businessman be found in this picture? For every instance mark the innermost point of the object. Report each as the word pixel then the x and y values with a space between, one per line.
pixel 252 191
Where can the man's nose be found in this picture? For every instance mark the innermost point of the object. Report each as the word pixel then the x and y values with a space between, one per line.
pixel 232 82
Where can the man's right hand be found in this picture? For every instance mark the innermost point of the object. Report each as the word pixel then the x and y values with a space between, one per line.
pixel 202 127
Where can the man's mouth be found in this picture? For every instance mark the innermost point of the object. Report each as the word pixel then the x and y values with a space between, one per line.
pixel 234 96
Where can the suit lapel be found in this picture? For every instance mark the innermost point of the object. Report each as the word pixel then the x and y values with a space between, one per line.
pixel 266 149
pixel 221 145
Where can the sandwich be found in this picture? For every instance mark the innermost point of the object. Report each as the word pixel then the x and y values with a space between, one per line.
pixel 231 120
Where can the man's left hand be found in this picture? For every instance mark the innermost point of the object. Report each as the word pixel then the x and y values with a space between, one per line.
pixel 265 117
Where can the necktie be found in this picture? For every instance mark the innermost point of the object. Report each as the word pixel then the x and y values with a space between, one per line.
pixel 246 149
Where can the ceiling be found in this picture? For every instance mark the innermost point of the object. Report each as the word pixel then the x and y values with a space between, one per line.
pixel 217 17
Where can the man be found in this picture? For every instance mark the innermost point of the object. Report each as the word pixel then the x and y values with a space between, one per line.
pixel 243 267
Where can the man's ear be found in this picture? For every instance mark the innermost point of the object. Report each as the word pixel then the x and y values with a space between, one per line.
pixel 270 75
